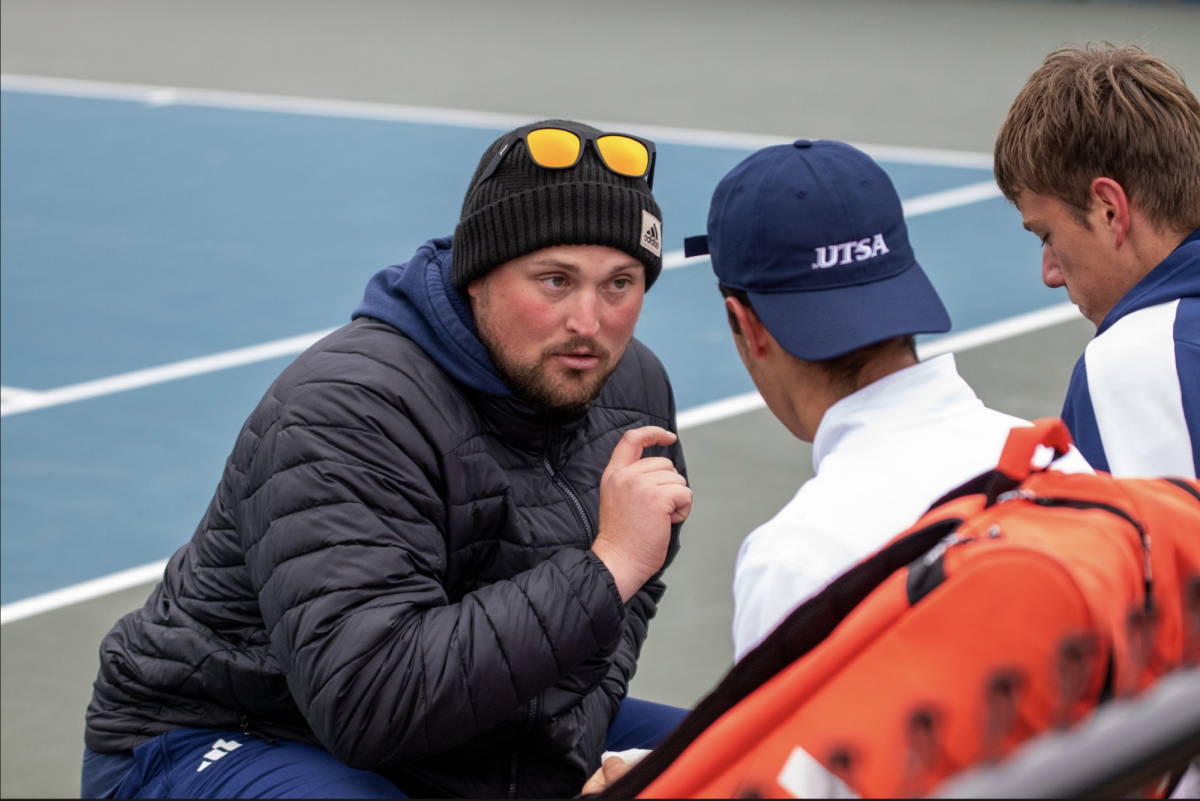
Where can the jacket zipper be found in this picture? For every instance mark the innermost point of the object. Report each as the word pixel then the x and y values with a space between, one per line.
pixel 514 764
pixel 565 488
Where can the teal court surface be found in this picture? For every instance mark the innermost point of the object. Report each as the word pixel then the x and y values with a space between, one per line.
pixel 165 253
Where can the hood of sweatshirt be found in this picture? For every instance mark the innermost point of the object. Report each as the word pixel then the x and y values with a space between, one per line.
pixel 1176 276
pixel 419 300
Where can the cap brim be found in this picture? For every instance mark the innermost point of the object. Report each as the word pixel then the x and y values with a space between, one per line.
pixel 827 323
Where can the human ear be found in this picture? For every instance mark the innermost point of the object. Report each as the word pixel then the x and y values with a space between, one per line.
pixel 752 331
pixel 477 287
pixel 1108 198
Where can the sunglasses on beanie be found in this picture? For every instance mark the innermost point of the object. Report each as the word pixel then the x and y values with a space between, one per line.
pixel 560 149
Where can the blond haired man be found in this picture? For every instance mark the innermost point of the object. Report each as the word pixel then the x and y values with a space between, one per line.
pixel 1101 154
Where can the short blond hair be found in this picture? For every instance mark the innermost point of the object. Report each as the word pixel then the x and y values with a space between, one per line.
pixel 1105 112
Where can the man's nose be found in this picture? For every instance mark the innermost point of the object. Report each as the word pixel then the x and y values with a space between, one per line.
pixel 1051 273
pixel 584 320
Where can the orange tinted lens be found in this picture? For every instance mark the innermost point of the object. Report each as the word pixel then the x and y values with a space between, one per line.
pixel 553 147
pixel 624 155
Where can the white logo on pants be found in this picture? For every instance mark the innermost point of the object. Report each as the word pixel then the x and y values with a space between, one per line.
pixel 219 749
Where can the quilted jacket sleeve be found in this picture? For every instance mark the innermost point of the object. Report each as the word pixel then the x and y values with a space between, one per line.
pixel 383 667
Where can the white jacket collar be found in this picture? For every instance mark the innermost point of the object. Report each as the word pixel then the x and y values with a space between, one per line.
pixel 926 391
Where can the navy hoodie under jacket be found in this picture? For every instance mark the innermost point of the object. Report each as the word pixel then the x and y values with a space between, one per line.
pixel 1133 406
pixel 418 299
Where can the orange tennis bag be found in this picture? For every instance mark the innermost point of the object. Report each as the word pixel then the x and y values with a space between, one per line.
pixel 1018 603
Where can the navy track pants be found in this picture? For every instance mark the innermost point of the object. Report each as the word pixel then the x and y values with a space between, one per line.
pixel 206 763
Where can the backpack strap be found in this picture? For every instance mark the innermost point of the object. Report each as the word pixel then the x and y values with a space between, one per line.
pixel 1185 486
pixel 803 630
pixel 1016 460
pixel 991 484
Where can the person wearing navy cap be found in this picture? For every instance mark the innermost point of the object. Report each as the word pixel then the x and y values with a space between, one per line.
pixel 824 296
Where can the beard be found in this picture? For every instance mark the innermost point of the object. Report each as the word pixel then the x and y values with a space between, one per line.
pixel 545 383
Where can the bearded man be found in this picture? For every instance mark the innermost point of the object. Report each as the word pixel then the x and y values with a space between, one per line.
pixel 431 561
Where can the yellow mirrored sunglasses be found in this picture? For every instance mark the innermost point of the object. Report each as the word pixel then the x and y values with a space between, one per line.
pixel 561 149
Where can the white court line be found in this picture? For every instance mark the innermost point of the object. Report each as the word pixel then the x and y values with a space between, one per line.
pixel 16 401
pixel 29 400
pixel 955 343
pixel 913 207
pixel 172 96
pixel 78 593
pixel 951 198
pixel 12 393
pixel 688 418
pixel 673 259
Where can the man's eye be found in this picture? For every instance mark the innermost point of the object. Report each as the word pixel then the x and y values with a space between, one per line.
pixel 621 283
pixel 1045 239
pixel 556 281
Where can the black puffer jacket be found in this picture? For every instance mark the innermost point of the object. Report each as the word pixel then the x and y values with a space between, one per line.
pixel 398 568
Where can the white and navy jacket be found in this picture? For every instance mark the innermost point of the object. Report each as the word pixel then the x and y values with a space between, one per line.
pixel 1133 406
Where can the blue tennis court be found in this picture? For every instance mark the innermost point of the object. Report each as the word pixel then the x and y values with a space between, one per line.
pixel 139 235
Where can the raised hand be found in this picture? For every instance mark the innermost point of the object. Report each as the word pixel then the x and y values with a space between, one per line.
pixel 639 501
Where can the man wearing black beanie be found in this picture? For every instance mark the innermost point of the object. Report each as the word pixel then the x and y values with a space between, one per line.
pixel 430 564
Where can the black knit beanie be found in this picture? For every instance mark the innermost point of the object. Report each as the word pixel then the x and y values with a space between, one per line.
pixel 522 208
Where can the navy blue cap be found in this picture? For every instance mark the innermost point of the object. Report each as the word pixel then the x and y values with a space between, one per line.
pixel 814 233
